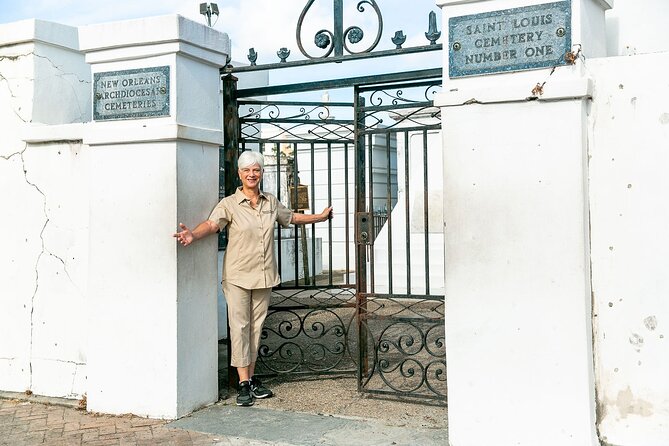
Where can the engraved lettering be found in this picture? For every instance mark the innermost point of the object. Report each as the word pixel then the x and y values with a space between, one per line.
pixel 132 94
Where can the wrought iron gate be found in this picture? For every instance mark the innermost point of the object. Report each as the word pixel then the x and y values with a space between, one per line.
pixel 353 299
pixel 400 305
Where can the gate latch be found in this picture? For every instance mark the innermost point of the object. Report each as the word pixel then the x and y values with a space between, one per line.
pixel 365 228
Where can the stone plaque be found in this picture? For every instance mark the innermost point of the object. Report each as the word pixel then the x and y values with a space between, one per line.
pixel 510 40
pixel 131 94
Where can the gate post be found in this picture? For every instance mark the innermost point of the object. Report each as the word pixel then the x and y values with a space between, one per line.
pixel 231 134
pixel 516 215
pixel 361 245
pixel 154 148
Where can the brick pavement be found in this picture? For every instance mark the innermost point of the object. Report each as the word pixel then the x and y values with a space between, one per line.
pixel 24 423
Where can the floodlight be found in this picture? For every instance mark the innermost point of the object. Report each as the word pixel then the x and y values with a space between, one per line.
pixel 207 9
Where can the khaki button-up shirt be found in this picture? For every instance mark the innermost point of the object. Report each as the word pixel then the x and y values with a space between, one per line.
pixel 249 258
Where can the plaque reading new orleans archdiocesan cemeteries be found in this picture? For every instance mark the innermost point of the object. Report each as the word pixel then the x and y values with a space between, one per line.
pixel 131 94
pixel 516 39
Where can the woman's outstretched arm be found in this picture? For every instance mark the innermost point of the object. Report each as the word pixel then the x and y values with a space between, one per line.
pixel 305 219
pixel 186 236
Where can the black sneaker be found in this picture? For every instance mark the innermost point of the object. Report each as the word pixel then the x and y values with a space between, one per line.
pixel 258 390
pixel 244 395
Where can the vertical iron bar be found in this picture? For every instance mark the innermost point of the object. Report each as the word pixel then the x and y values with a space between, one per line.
pixel 222 236
pixel 221 172
pixel 313 209
pixel 407 209
pixel 371 209
pixel 346 222
pixel 278 196
pixel 426 215
pixel 338 40
pixel 295 209
pixel 329 220
pixel 389 221
pixel 361 248
pixel 231 137
pixel 232 132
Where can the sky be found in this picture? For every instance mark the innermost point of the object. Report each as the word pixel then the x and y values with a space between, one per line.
pixel 265 25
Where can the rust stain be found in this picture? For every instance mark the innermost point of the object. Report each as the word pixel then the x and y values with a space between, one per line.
pixel 628 405
pixel 650 322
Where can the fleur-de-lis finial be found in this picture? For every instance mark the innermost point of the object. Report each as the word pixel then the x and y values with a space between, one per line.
pixel 252 56
pixel 283 54
pixel 399 39
pixel 432 33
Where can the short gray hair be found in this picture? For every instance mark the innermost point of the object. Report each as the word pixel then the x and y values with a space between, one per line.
pixel 248 158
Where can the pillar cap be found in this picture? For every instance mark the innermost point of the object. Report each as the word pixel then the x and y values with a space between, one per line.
pixel 136 37
pixel 33 30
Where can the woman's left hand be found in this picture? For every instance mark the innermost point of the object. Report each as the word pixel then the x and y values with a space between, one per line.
pixel 327 214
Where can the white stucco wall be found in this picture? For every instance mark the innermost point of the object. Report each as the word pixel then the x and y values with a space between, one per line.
pixel 629 221
pixel 516 280
pixel 637 27
pixel 89 303
pixel 44 260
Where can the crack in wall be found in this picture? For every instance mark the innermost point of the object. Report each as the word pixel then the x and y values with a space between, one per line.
pixel 82 113
pixel 53 64
pixel 72 79
pixel 63 75
pixel 75 83
pixel 39 257
pixel 11 93
pixel 44 250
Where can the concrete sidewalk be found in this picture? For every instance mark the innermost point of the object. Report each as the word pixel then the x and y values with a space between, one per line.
pixel 277 427
pixel 330 414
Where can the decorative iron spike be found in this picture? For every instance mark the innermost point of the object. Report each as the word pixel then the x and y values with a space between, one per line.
pixel 399 39
pixel 252 56
pixel 283 54
pixel 432 33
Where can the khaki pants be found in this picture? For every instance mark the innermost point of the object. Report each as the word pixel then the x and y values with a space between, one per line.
pixel 247 310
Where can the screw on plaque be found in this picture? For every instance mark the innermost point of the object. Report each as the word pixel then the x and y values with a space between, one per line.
pixel 561 32
pixel 163 90
pixel 98 95
pixel 457 46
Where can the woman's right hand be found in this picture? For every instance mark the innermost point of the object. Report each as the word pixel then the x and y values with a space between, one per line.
pixel 185 236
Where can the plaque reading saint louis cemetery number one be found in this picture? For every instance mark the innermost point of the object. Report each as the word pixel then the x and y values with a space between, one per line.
pixel 129 94
pixel 510 40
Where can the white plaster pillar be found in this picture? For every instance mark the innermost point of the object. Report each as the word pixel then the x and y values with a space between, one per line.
pixel 152 321
pixel 43 259
pixel 517 266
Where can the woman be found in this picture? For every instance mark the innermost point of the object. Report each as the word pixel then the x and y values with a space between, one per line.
pixel 249 267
